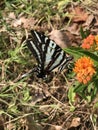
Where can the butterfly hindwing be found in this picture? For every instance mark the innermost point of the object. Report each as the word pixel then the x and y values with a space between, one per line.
pixel 54 55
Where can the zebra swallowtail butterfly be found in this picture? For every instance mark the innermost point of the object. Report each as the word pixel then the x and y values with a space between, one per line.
pixel 47 53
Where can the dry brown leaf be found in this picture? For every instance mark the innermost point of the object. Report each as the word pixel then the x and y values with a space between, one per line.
pixel 56 127
pixel 18 22
pixel 60 38
pixel 73 29
pixel 10 126
pixel 89 20
pixel 29 23
pixel 25 22
pixel 75 122
pixel 79 14
pixel 95 27
pixel 12 15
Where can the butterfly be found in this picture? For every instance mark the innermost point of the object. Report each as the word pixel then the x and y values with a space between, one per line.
pixel 47 53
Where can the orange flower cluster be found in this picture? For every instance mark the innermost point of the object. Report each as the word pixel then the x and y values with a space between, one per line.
pixel 88 42
pixel 84 68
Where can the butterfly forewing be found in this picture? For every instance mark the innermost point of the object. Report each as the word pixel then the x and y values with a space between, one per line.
pixel 47 53
pixel 34 46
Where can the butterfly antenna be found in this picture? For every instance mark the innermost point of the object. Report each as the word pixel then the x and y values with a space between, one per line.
pixel 25 75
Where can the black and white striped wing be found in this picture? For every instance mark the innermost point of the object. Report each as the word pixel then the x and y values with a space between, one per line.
pixel 47 53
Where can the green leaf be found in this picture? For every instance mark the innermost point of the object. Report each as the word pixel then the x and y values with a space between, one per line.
pixel 1 112
pixel 83 33
pixel 72 108
pixel 80 88
pixel 96 105
pixel 89 98
pixel 90 87
pixel 78 52
pixel 27 96
pixel 71 95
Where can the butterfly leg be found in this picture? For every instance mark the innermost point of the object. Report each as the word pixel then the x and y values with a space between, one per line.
pixel 29 73
pixel 26 74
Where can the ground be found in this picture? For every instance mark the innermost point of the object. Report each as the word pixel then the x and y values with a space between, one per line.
pixel 32 103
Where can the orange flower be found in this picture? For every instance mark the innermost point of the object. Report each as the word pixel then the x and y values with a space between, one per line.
pixel 84 69
pixel 88 42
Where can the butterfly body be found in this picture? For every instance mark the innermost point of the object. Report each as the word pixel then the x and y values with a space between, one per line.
pixel 47 53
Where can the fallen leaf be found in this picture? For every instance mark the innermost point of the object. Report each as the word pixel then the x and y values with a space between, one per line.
pixel 73 29
pixel 29 23
pixel 12 15
pixel 95 27
pixel 60 38
pixel 16 23
pixel 79 14
pixel 75 122
pixel 56 127
pixel 89 20
pixel 25 22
